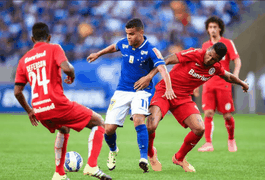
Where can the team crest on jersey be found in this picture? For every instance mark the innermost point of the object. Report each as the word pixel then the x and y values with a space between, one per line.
pixel 212 71
pixel 124 46
pixel 144 52
pixel 111 104
pixel 158 53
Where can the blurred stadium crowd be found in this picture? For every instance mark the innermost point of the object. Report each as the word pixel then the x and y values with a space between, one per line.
pixel 82 27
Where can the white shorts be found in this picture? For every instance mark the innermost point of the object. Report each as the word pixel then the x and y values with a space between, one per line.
pixel 122 101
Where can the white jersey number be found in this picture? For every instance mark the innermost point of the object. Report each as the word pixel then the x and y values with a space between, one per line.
pixel 33 77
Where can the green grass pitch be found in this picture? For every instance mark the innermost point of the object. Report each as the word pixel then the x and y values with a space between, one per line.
pixel 27 152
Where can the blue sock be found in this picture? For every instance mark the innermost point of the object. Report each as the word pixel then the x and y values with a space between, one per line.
pixel 142 139
pixel 111 141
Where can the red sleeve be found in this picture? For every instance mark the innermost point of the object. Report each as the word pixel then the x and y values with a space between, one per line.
pixel 231 50
pixel 21 76
pixel 188 55
pixel 205 45
pixel 59 55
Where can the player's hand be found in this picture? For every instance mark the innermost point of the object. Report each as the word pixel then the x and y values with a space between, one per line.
pixel 92 57
pixel 69 80
pixel 196 92
pixel 142 83
pixel 245 86
pixel 33 118
pixel 169 94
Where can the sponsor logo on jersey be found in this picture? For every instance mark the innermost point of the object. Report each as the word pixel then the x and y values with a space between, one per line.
pixel 198 76
pixel 124 46
pixel 212 71
pixel 157 53
pixel 144 52
pixel 125 55
pixel 131 59
pixel 36 56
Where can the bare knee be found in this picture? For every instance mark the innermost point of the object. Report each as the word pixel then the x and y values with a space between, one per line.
pixel 64 130
pixel 195 123
pixel 110 129
pixel 227 116
pixel 209 113
pixel 96 120
pixel 199 131
pixel 138 119
pixel 151 124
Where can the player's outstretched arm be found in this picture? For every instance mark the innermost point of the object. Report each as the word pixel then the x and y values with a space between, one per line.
pixel 229 77
pixel 237 62
pixel 110 49
pixel 144 81
pixel 169 91
pixel 21 99
pixel 69 70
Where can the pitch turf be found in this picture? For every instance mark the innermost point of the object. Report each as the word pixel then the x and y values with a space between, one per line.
pixel 26 152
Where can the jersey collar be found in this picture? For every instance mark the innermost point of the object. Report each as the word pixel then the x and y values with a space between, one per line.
pixel 211 43
pixel 142 45
pixel 39 44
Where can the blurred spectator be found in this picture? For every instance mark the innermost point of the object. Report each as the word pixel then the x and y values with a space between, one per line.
pixel 82 26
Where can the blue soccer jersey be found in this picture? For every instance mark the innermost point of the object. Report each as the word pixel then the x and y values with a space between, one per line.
pixel 136 63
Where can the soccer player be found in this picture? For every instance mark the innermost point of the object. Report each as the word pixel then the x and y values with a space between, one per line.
pixel 193 68
pixel 138 59
pixel 41 67
pixel 217 93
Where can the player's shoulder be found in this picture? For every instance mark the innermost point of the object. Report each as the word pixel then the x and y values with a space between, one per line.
pixel 123 40
pixel 207 43
pixel 226 41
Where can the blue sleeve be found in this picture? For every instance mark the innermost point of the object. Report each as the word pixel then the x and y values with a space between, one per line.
pixel 156 56
pixel 119 45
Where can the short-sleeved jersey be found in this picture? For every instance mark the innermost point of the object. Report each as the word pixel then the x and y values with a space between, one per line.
pixel 190 72
pixel 41 68
pixel 136 63
pixel 232 54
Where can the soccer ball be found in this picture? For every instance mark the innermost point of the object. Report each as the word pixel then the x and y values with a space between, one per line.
pixel 73 161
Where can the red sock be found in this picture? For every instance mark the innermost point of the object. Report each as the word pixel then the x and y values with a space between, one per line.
pixel 208 121
pixel 230 126
pixel 189 142
pixel 151 144
pixel 60 147
pixel 95 142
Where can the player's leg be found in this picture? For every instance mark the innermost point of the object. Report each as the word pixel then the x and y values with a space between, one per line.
pixel 225 105
pixel 139 107
pixel 230 126
pixel 195 123
pixel 188 115
pixel 116 114
pixel 159 106
pixel 152 123
pixel 142 139
pixel 60 149
pixel 95 141
pixel 209 106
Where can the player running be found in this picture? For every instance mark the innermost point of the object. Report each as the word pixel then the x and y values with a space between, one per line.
pixel 138 59
pixel 217 93
pixel 193 68
pixel 41 67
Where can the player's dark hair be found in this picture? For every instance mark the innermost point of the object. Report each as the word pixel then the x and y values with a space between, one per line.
pixel 218 21
pixel 220 49
pixel 137 23
pixel 40 31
